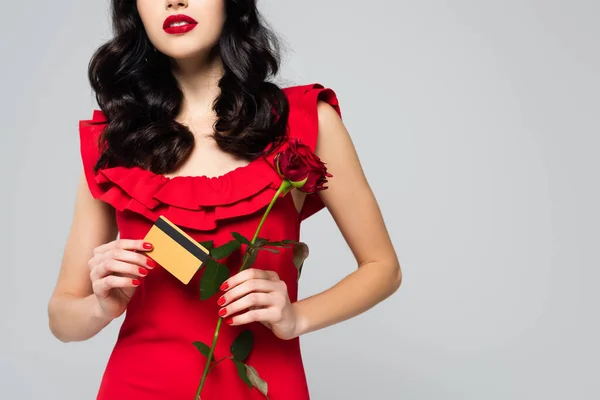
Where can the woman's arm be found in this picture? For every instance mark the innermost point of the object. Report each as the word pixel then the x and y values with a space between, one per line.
pixel 73 310
pixel 356 212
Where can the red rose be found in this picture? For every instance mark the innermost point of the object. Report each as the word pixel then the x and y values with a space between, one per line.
pixel 303 168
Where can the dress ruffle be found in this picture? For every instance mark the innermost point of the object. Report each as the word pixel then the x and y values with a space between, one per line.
pixel 199 202
pixel 196 202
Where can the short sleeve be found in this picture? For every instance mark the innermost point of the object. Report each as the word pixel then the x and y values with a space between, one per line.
pixel 89 135
pixel 304 125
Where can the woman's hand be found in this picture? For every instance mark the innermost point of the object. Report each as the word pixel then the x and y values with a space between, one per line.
pixel 265 299
pixel 115 271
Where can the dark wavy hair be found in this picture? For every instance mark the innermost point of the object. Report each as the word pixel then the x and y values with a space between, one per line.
pixel 140 97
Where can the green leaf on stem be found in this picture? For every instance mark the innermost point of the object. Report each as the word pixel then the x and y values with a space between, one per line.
pixel 240 238
pixel 259 242
pixel 269 250
pixel 214 275
pixel 242 345
pixel 225 249
pixel 204 349
pixel 278 244
pixel 241 370
pixel 256 380
pixel 208 245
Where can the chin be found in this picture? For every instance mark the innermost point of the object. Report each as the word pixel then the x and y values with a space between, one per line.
pixel 187 52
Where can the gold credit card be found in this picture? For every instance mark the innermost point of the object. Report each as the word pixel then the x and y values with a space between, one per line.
pixel 175 250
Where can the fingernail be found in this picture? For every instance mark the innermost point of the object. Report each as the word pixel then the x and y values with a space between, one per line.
pixel 143 271
pixel 151 263
pixel 224 286
pixel 135 282
pixel 229 321
pixel 221 300
pixel 147 245
pixel 222 312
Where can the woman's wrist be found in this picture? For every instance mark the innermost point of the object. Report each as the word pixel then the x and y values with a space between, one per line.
pixel 301 323
pixel 97 313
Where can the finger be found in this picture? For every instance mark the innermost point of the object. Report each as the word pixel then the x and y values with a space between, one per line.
pixel 122 249
pixel 267 324
pixel 104 285
pixel 254 299
pixel 128 256
pixel 249 286
pixel 124 244
pixel 265 315
pixel 250 273
pixel 116 267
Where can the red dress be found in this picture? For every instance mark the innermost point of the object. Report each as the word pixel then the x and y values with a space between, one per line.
pixel 153 358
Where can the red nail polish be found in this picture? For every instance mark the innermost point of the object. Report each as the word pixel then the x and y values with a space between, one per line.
pixel 221 301
pixel 143 271
pixel 151 263
pixel 229 321
pixel 224 286
pixel 135 282
pixel 147 245
pixel 222 312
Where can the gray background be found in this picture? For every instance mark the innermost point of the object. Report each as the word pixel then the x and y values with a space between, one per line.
pixel 477 125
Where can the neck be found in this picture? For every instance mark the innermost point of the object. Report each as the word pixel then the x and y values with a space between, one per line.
pixel 199 81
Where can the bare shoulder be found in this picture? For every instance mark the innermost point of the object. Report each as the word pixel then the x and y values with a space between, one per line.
pixel 336 148
pixel 334 142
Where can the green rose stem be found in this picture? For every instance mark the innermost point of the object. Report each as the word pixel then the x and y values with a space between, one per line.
pixel 285 187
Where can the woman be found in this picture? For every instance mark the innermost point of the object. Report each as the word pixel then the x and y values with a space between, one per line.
pixel 188 129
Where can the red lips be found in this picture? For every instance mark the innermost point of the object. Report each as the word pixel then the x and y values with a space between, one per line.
pixel 190 23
